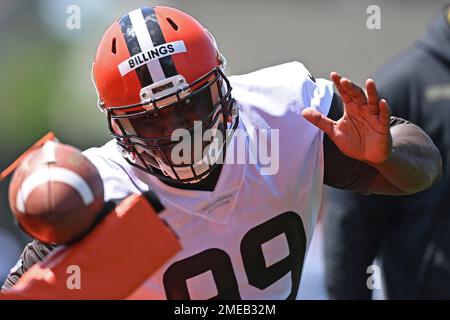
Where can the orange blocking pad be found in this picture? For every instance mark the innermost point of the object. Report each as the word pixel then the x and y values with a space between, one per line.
pixel 9 296
pixel 129 245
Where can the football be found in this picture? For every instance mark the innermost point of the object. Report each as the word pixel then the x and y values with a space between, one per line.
pixel 56 194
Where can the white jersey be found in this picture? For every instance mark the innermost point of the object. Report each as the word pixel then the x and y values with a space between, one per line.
pixel 248 238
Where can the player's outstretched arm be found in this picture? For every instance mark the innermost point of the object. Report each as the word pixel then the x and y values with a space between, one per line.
pixel 406 158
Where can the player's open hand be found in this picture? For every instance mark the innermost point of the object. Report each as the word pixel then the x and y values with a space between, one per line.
pixel 363 131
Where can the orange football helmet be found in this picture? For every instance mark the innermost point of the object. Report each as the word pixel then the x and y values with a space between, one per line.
pixel 157 70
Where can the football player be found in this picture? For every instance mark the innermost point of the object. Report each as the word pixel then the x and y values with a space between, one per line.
pixel 245 230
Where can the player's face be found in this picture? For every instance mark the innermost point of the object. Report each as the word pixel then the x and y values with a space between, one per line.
pixel 162 123
pixel 196 112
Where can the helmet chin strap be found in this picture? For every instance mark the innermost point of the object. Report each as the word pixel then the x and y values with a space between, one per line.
pixel 186 171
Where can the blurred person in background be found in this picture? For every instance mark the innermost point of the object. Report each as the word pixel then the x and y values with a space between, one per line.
pixel 410 234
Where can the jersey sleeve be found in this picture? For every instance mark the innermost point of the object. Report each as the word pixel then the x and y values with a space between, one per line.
pixel 282 90
pixel 117 182
pixel 315 93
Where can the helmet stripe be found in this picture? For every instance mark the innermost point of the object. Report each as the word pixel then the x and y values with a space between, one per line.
pixel 143 33
pixel 134 48
pixel 154 29
pixel 146 43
